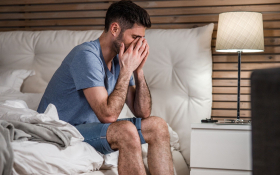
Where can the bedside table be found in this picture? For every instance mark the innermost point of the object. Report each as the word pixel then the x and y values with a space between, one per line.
pixel 220 149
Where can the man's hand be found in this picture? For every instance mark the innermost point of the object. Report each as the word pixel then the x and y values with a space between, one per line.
pixel 134 55
pixel 145 53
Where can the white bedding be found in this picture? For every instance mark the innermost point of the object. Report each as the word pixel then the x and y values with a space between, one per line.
pixel 43 158
pixel 32 99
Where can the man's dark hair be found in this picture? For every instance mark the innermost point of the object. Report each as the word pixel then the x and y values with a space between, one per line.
pixel 126 13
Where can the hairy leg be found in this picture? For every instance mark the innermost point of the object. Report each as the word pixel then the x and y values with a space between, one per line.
pixel 123 136
pixel 155 133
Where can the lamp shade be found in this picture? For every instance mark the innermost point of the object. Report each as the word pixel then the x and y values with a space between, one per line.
pixel 240 31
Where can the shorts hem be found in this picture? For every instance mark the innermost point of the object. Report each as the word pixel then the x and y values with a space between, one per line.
pixel 103 139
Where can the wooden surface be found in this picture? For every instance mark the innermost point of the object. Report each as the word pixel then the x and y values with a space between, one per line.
pixel 90 14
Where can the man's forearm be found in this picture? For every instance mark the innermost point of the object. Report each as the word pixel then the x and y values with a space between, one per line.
pixel 142 101
pixel 117 98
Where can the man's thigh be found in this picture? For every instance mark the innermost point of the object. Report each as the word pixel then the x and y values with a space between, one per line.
pixel 95 134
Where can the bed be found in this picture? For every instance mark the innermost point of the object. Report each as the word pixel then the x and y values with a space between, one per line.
pixel 178 72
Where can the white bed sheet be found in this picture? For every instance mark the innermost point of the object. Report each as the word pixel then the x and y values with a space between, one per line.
pixel 44 158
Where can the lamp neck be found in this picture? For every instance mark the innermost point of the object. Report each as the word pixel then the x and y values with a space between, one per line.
pixel 238 88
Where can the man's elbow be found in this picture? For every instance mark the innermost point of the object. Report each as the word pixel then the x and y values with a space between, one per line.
pixel 145 115
pixel 108 119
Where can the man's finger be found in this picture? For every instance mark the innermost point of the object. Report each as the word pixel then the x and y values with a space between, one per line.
pixel 138 44
pixel 144 60
pixel 145 51
pixel 121 50
pixel 143 47
pixel 146 56
pixel 133 43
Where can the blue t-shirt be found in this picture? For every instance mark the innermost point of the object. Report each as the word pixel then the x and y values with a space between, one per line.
pixel 82 68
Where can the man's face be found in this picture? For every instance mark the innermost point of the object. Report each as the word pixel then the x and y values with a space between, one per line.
pixel 128 36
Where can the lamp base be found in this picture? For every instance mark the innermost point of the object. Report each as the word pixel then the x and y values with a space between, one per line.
pixel 234 122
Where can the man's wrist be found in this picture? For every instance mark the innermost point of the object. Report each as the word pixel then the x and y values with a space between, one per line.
pixel 126 71
pixel 138 72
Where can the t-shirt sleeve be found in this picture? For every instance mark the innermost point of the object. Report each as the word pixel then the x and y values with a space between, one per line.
pixel 87 70
pixel 131 81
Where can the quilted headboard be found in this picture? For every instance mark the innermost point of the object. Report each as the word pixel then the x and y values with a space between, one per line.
pixel 178 70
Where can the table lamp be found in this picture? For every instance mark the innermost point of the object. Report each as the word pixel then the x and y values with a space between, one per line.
pixel 239 32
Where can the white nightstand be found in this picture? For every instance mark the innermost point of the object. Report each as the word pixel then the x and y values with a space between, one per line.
pixel 220 149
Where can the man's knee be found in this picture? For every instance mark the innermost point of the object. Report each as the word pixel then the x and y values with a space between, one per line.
pixel 123 134
pixel 159 128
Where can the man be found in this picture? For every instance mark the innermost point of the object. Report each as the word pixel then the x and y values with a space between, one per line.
pixel 94 81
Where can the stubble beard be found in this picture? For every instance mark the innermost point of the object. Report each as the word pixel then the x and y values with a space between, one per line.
pixel 117 43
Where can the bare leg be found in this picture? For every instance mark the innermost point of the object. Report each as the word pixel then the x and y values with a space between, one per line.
pixel 155 133
pixel 123 136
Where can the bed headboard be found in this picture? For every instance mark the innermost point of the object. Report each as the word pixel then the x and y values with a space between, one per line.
pixel 178 70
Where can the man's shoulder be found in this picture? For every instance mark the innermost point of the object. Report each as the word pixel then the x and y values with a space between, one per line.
pixel 91 46
pixel 89 50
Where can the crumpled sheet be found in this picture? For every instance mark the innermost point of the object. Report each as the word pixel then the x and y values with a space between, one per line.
pixel 37 132
pixel 6 152
pixel 17 110
pixel 32 157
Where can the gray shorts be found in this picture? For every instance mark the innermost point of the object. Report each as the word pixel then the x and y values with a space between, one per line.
pixel 95 134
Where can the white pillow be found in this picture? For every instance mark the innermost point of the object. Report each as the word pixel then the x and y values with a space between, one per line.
pixel 14 78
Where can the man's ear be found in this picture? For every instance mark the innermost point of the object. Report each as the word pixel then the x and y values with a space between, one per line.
pixel 115 29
